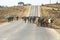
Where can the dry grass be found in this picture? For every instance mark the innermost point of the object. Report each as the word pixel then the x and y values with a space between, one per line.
pixel 57 22
pixel 49 9
pixel 15 10
pixel 46 11
pixel 3 21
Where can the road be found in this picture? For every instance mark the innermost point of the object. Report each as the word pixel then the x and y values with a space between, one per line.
pixel 19 30
pixel 33 11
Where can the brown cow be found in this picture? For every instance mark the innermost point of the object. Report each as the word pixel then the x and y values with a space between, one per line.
pixel 37 21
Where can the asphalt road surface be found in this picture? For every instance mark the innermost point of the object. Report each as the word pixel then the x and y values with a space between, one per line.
pixel 33 11
pixel 19 30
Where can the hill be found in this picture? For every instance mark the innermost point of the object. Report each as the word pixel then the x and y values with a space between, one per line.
pixel 51 11
pixel 13 11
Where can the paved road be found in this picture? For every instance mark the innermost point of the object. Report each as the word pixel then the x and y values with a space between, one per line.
pixel 33 11
pixel 18 30
pixel 28 31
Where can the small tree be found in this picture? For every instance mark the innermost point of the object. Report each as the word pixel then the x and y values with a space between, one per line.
pixel 20 3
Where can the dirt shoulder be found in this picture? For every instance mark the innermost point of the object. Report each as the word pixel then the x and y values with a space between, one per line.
pixel 57 28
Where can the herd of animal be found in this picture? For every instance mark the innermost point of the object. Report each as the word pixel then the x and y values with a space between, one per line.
pixel 42 21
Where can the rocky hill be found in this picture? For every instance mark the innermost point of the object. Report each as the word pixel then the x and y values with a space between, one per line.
pixel 13 11
pixel 51 11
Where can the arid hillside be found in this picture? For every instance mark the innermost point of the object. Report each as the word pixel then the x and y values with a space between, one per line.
pixel 51 11
pixel 13 11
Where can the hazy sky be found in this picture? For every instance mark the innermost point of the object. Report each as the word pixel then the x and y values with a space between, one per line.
pixel 33 2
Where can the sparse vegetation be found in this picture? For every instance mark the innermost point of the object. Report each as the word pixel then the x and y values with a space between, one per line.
pixel 15 10
pixel 52 11
pixel 57 22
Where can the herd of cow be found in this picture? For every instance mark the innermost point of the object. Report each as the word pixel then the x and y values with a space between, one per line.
pixel 42 21
pixel 11 18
